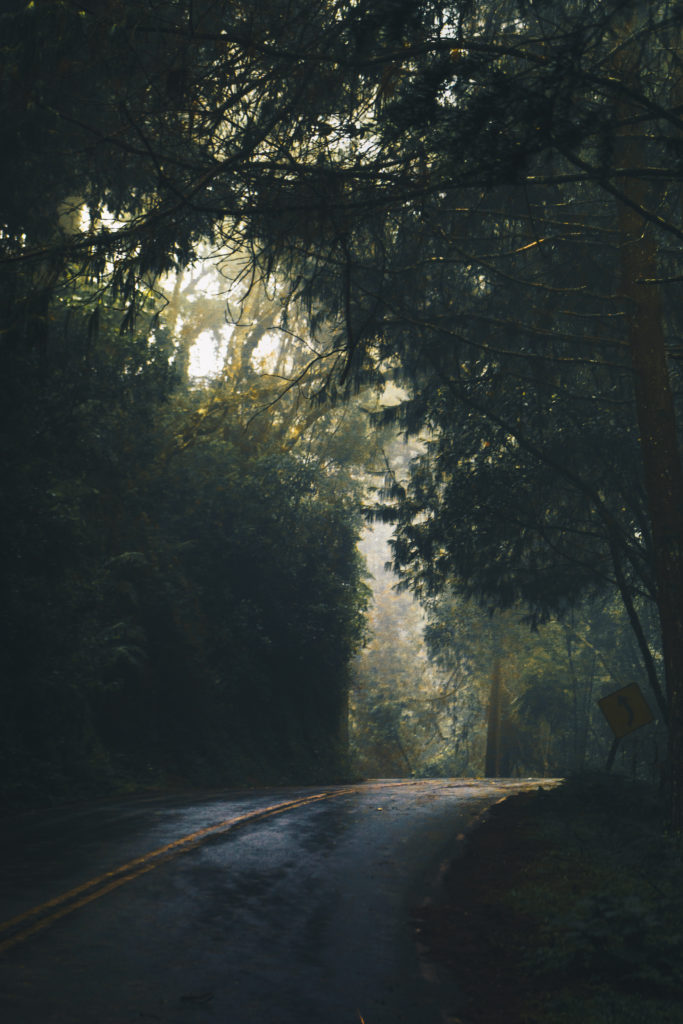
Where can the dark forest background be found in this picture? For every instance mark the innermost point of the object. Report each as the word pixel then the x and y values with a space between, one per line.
pixel 183 589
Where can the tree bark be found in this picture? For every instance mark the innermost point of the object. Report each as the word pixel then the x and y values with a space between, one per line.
pixel 661 466
pixel 661 457
pixel 492 762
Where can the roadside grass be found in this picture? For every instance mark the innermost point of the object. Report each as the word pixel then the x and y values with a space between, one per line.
pixel 567 908
pixel 603 894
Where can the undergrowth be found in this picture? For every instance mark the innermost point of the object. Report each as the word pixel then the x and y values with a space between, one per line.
pixel 601 895
pixel 566 908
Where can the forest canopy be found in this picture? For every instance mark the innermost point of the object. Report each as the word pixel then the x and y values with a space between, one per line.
pixel 479 201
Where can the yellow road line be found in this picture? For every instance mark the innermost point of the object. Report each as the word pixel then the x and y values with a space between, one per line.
pixel 30 922
pixel 53 910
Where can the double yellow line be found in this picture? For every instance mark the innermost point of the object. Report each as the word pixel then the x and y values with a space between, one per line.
pixel 32 921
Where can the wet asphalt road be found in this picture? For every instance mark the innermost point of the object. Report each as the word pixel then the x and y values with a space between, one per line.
pixel 278 907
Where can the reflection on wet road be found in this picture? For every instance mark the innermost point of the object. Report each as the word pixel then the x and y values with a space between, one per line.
pixel 275 907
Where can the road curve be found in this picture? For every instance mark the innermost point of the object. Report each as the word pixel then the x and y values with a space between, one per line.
pixel 277 907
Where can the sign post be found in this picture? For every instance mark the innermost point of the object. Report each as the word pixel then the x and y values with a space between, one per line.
pixel 626 710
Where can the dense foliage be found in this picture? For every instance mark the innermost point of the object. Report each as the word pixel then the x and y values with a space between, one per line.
pixel 178 603
pixel 445 688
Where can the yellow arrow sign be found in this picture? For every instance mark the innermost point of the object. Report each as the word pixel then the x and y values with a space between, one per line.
pixel 626 710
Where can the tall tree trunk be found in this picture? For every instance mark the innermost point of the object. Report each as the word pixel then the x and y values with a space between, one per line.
pixel 662 467
pixel 663 472
pixel 492 762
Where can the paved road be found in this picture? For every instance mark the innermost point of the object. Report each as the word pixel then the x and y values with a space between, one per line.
pixel 278 907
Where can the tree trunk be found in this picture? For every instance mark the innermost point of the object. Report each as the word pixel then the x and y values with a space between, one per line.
pixel 492 762
pixel 663 473
pixel 662 469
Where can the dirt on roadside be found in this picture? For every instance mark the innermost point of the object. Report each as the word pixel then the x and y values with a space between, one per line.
pixel 469 932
